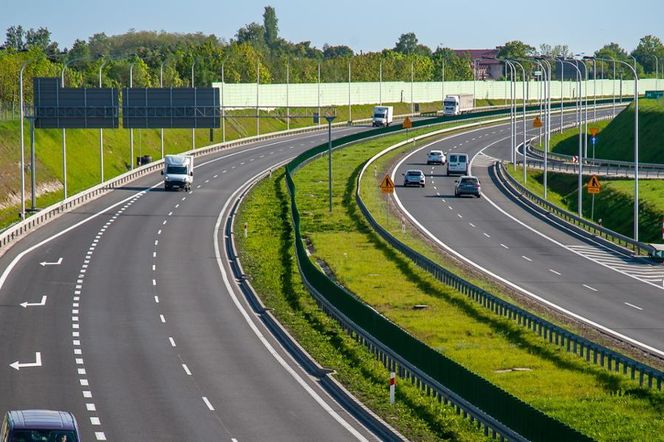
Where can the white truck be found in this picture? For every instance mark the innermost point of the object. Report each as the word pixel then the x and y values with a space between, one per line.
pixel 178 172
pixel 382 116
pixel 457 104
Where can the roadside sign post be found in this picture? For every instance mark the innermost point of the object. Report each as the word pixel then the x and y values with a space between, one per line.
pixel 387 187
pixel 393 382
pixel 407 124
pixel 329 116
pixel 594 187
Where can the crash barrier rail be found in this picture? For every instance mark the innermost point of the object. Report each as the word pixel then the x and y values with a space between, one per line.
pixel 595 169
pixel 568 217
pixel 492 408
pixel 18 230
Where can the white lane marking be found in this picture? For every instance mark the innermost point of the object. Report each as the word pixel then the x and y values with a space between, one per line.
pixel 254 328
pixel 164 223
pixel 156 242
pixel 177 205
pixel 100 435
pixel 84 382
pixel 170 213
pixel 154 267
pixel 79 361
pixel 459 215
pixel 81 371
pixel 215 176
pixel 87 394
pixel 16 365
pixel 162 318
pixel 526 258
pixel 633 306
pixel 156 299
pixel 554 272
pixel 159 232
pixel 503 246
pixel 486 234
pixel 172 341
pixel 472 225
pixel 154 282
pixel 154 254
pixel 184 198
pixel 209 405
pixel 450 207
pixel 198 187
pixel 590 288
pixel 95 420
pixel 77 351
pixel 35 304
pixel 186 369
pixel 56 263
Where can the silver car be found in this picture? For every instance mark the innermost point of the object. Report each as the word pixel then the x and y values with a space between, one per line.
pixel 414 177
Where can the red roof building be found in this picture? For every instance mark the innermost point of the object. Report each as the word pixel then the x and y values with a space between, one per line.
pixel 487 67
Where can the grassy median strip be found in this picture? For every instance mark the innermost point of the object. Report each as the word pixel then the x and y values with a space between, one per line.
pixel 598 403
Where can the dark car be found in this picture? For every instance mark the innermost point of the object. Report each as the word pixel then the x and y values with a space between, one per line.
pixel 39 426
pixel 467 185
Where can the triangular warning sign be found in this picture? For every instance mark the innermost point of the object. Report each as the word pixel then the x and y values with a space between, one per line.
pixel 537 122
pixel 387 185
pixel 594 185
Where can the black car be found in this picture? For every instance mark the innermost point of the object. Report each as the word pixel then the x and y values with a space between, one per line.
pixel 467 185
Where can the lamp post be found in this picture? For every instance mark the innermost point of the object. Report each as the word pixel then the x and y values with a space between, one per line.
pixel 161 131
pixel 512 111
pixel 22 118
pixel 101 136
pixel 258 80
pixel 131 130
pixel 613 83
pixel 580 157
pixel 350 110
pixel 318 95
pixel 636 145
pixel 223 113
pixel 523 70
pixel 193 130
pixel 380 83
pixel 287 95
pixel 412 77
pixel 442 83
pixel 330 119
pixel 474 82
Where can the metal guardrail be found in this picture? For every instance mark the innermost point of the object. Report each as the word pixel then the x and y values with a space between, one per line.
pixel 17 231
pixel 568 217
pixel 600 355
pixel 425 367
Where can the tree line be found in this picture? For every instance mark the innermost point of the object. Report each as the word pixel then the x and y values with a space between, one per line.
pixel 256 53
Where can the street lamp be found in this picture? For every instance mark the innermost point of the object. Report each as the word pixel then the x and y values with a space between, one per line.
pixel 580 157
pixel 512 111
pixel 161 130
pixel 131 130
pixel 523 70
pixel 330 119
pixel 636 145
pixel 101 136
pixel 22 118
pixel 193 129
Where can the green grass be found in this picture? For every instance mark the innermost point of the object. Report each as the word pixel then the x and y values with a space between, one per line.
pixel 596 402
pixel 267 255
pixel 616 139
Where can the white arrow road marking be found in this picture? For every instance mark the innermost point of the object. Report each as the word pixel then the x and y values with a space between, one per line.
pixel 34 304
pixel 56 263
pixel 17 365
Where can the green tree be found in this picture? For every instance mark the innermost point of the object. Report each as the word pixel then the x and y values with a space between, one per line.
pixel 336 51
pixel 407 43
pixel 253 33
pixel 271 28
pixel 15 37
pixel 648 52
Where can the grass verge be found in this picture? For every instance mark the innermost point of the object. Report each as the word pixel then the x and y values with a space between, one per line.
pixel 603 405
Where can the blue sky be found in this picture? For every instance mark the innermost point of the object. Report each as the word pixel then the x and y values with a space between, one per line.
pixel 363 25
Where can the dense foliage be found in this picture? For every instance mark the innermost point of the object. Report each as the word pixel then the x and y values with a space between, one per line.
pixel 256 52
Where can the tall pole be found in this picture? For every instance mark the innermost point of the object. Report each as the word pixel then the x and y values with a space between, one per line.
pixel 223 112
pixel 412 77
pixel 380 83
pixel 442 84
pixel 512 111
pixel 101 137
pixel 594 90
pixel 474 81
pixel 580 162
pixel 287 95
pixel 350 110
pixel 258 76
pixel 33 168
pixel 585 107
pixel 329 119
pixel 193 85
pixel 656 71
pixel 161 131
pixel 613 83
pixel 64 140
pixel 525 128
pixel 318 96
pixel 636 153
pixel 131 131
pixel 562 101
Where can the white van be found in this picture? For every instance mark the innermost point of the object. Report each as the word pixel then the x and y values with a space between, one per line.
pixel 457 163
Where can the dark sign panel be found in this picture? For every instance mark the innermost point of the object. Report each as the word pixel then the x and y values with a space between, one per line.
pixel 170 108
pixel 69 108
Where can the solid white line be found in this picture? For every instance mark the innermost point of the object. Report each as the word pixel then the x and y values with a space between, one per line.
pixel 209 405
pixel 186 369
pixel 257 332
pixel 553 271
pixel 172 341
pixel 504 280
pixel 633 306
pixel 526 258
pixel 590 288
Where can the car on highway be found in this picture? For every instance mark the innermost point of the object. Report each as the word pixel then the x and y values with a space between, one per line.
pixel 436 157
pixel 39 425
pixel 457 163
pixel 467 185
pixel 414 177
